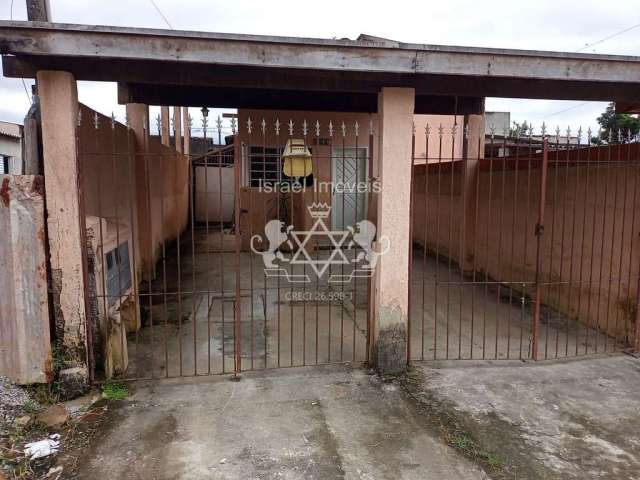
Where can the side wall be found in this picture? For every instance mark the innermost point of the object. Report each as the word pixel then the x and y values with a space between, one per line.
pixel 25 346
pixel 590 246
pixel 112 186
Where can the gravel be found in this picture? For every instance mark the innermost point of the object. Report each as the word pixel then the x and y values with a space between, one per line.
pixel 12 398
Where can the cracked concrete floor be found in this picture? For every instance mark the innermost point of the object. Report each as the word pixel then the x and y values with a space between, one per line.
pixel 562 420
pixel 322 423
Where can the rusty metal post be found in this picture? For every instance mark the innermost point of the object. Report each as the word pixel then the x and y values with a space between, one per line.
pixel 539 232
pixel 636 343
pixel 237 160
pixel 410 272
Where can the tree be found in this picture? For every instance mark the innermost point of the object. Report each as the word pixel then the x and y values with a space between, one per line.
pixel 616 127
pixel 519 129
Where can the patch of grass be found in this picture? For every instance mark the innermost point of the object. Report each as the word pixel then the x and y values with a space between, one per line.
pixel 462 442
pixel 115 391
pixel 30 406
pixel 494 461
pixel 455 430
pixel 44 393
pixel 466 445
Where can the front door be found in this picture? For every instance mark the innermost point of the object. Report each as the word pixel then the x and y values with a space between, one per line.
pixel 349 174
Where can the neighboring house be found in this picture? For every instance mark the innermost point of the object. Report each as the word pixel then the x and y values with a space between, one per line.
pixel 10 148
pixel 497 144
pixel 497 122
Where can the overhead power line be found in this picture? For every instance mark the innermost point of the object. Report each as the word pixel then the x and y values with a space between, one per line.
pixel 589 45
pixel 26 90
pixel 609 37
pixel 161 14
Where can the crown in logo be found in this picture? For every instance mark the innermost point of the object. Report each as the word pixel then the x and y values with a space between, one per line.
pixel 319 210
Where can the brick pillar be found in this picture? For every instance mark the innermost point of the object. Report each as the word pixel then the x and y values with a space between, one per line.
pixel 395 111
pixel 65 216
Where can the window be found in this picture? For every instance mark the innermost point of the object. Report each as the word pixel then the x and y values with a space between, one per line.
pixel 4 164
pixel 118 272
pixel 265 166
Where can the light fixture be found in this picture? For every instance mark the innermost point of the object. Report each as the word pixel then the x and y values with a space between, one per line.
pixel 297 159
pixel 205 112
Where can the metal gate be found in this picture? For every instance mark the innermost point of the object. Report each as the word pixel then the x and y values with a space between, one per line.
pixel 525 246
pixel 226 259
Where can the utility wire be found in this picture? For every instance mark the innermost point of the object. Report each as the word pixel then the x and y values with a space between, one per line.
pixel 26 90
pixel 589 45
pixel 609 37
pixel 161 14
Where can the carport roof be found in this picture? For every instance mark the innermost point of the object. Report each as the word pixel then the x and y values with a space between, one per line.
pixel 149 64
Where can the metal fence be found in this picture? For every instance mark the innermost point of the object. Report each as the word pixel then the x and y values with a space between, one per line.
pixel 258 253
pixel 228 260
pixel 524 246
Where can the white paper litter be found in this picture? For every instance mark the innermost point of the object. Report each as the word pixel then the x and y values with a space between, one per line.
pixel 43 448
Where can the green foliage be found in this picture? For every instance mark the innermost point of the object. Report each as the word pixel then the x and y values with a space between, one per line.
pixel 519 129
pixel 616 127
pixel 30 406
pixel 494 462
pixel 115 391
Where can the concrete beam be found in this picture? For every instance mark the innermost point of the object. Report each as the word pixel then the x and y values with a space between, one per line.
pixel 626 107
pixel 269 99
pixel 243 79
pixel 391 294
pixel 263 51
pixel 176 48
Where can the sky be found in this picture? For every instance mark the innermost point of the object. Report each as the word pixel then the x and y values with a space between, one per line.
pixel 558 25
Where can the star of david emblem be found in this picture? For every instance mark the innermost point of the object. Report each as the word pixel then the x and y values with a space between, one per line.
pixel 319 229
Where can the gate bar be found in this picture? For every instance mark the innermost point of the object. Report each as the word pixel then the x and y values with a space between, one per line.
pixel 539 232
pixel 238 171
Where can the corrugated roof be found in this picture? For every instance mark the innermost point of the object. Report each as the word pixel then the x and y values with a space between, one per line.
pixel 9 129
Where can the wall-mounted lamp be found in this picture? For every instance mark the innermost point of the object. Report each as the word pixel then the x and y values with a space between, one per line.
pixel 297 159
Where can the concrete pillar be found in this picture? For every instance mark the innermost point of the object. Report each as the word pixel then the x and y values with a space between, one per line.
pixel 25 344
pixel 473 151
pixel 164 125
pixel 187 131
pixel 65 214
pixel 138 115
pixel 395 112
pixel 38 11
pixel 177 128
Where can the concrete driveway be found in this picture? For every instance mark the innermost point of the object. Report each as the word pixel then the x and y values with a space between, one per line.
pixel 564 420
pixel 320 423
